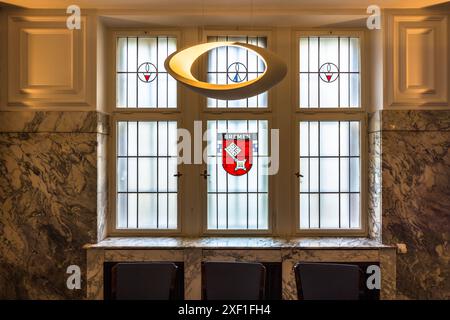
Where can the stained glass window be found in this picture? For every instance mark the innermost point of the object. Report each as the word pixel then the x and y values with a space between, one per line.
pixel 330 163
pixel 238 202
pixel 141 79
pixel 232 65
pixel 329 72
pixel 146 175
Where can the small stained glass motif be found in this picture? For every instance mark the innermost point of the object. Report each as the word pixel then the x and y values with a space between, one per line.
pixel 141 78
pixel 237 72
pixel 147 72
pixel 328 72
pixel 237 155
pixel 238 193
pixel 232 65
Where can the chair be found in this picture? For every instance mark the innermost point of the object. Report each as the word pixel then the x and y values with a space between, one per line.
pixel 233 281
pixel 144 281
pixel 327 281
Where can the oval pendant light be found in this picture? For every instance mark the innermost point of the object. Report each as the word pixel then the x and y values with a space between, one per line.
pixel 179 65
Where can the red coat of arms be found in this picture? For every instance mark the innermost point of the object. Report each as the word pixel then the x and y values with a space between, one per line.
pixel 237 153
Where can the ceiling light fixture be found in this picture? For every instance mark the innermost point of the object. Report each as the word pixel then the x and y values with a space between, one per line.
pixel 179 66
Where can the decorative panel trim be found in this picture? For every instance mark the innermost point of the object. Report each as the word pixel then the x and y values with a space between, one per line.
pixel 73 82
pixel 25 86
pixel 417 61
pixel 415 39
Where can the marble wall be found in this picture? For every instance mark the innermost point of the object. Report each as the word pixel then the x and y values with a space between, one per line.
pixel 415 202
pixel 48 199
pixel 52 194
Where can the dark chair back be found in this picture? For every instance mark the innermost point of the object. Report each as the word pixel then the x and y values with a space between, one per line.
pixel 327 281
pixel 143 281
pixel 233 281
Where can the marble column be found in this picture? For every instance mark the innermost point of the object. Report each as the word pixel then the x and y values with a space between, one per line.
pixel 48 199
pixel 388 273
pixel 415 205
pixel 193 274
pixel 95 277
pixel 374 167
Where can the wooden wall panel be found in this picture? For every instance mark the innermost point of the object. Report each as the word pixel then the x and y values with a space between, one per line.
pixel 48 65
pixel 417 61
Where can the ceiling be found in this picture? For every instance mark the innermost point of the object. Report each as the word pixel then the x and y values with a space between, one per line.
pixel 253 13
pixel 222 4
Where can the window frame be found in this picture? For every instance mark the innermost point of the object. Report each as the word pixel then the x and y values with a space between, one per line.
pixel 138 114
pixel 192 207
pixel 113 72
pixel 357 33
pixel 112 158
pixel 334 116
pixel 204 188
pixel 331 114
pixel 236 114
pixel 203 68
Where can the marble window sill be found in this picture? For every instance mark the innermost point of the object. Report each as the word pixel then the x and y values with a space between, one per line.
pixel 236 243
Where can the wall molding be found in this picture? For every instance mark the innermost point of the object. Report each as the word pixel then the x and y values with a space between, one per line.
pixel 416 74
pixel 48 65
